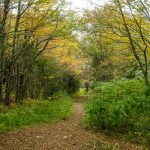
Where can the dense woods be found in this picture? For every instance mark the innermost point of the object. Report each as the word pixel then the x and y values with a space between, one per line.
pixel 28 29
pixel 47 51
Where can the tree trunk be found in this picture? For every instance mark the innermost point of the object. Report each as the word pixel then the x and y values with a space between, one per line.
pixel 8 91
pixel 143 65
pixel 5 11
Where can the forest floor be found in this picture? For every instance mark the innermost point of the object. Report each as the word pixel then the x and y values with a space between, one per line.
pixel 68 134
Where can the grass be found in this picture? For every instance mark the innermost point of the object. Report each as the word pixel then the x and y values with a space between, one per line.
pixel 82 92
pixel 33 112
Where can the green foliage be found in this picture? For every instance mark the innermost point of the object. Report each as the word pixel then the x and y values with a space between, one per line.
pixel 49 79
pixel 119 106
pixel 51 87
pixel 81 92
pixel 35 111
pixel 119 90
pixel 100 65
pixel 43 82
pixel 70 82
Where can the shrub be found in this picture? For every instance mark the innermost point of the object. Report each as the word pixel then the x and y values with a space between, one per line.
pixel 66 83
pixel 70 82
pixel 120 89
pixel 116 115
pixel 51 87
pixel 119 106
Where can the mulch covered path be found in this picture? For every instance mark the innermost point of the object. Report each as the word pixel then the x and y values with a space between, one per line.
pixel 64 135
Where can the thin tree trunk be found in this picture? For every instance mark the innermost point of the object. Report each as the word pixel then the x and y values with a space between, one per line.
pixel 144 68
pixel 2 43
pixel 15 70
pixel 8 91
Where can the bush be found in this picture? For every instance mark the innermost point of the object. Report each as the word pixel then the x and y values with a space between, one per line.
pixel 66 83
pixel 120 89
pixel 119 106
pixel 51 87
pixel 35 111
pixel 70 82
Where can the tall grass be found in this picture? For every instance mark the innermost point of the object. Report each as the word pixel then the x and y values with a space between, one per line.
pixel 35 111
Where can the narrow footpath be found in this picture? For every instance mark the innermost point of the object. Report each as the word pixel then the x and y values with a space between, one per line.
pixel 65 135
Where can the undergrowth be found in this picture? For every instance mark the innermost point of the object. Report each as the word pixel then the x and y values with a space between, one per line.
pixel 34 111
pixel 120 107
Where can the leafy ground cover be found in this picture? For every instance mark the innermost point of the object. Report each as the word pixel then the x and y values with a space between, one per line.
pixel 34 111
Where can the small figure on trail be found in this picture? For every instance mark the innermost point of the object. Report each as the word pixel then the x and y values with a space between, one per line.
pixel 87 86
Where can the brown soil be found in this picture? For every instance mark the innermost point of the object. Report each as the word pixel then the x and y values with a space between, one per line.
pixel 64 135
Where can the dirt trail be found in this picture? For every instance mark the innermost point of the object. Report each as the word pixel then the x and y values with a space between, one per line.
pixel 64 135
